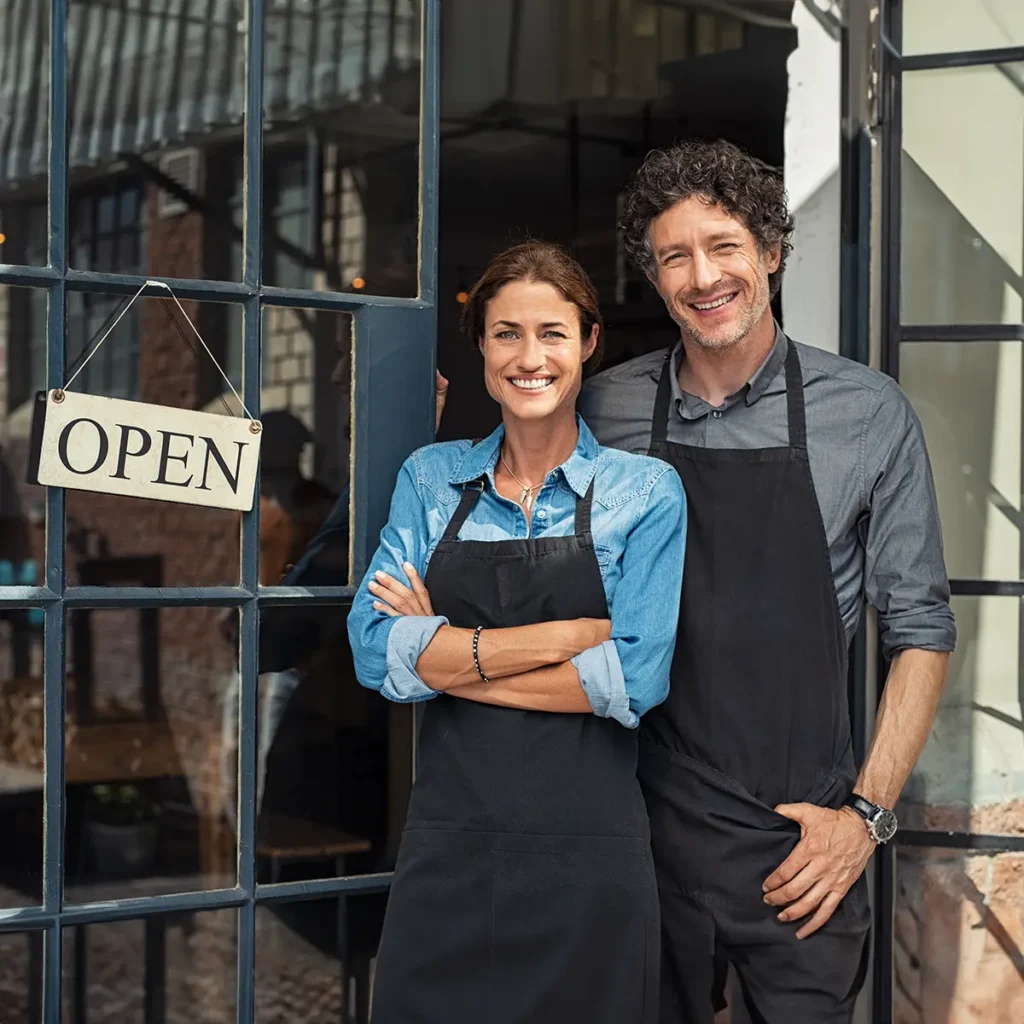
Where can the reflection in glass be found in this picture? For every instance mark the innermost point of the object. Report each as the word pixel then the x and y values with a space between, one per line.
pixel 341 96
pixel 958 937
pixel 334 765
pixel 24 141
pixel 178 968
pixel 963 245
pixel 21 977
pixel 155 103
pixel 970 777
pixel 968 396
pixel 947 26
pixel 21 750
pixel 314 959
pixel 153 356
pixel 145 807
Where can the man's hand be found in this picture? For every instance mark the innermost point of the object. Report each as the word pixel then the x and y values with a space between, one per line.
pixel 397 599
pixel 833 851
pixel 440 397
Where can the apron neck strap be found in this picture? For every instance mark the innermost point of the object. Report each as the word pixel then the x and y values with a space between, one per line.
pixel 795 398
pixel 659 426
pixel 471 495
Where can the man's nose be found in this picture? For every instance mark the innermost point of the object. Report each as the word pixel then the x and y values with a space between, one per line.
pixel 705 272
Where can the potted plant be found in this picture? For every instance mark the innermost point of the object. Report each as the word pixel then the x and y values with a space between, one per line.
pixel 121 830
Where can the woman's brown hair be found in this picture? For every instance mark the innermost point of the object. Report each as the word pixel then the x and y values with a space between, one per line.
pixel 544 262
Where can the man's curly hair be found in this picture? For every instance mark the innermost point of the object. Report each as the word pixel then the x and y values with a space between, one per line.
pixel 724 175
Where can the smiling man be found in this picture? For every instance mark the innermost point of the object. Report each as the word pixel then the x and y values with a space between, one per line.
pixel 809 490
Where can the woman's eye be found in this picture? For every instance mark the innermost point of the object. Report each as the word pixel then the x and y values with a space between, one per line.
pixel 557 335
pixel 506 335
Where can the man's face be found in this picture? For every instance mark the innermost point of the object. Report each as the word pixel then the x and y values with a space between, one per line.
pixel 710 272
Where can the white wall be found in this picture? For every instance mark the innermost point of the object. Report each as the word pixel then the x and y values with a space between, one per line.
pixel 810 289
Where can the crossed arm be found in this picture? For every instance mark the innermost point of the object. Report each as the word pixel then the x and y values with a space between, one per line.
pixel 528 667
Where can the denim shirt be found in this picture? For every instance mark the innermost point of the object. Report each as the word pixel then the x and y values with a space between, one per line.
pixel 639 527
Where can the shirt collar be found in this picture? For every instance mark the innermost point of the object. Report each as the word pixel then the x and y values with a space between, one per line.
pixel 759 381
pixel 577 471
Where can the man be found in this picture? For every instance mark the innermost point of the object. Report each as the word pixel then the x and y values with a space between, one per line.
pixel 809 489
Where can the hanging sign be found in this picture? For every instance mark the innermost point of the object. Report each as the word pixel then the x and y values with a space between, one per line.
pixel 112 446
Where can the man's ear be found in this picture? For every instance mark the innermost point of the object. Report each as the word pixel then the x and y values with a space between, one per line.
pixel 773 258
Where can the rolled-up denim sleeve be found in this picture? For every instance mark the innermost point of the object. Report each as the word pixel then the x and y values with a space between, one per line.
pixel 628 675
pixel 385 648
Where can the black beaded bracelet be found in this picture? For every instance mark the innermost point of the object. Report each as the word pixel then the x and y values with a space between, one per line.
pixel 476 653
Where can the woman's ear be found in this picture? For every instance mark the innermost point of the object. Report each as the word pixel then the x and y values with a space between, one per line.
pixel 590 344
pixel 480 344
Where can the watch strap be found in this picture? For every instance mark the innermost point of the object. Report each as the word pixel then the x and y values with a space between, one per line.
pixel 865 808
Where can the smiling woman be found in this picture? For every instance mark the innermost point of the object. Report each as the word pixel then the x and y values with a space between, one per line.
pixel 511 591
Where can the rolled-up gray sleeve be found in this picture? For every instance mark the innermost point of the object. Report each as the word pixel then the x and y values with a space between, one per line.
pixel 904 570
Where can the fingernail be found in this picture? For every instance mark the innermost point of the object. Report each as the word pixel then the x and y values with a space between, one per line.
pixel 381 575
pixel 408 565
pixel 377 606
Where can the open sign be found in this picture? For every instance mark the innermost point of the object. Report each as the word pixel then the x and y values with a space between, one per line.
pixel 112 446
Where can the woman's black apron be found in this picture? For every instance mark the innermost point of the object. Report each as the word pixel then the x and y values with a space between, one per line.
pixel 524 891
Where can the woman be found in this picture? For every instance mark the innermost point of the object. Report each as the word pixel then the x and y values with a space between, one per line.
pixel 528 587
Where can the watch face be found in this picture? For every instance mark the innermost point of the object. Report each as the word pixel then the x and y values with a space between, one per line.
pixel 884 826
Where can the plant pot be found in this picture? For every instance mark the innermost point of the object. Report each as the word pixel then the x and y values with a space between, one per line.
pixel 119 851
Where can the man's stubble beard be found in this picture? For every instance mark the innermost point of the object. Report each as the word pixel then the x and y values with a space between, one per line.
pixel 754 312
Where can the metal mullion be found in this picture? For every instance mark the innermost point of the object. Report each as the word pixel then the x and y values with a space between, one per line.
pixel 430 107
pixel 26 597
pixel 157 597
pixel 28 277
pixel 961 59
pixel 23 919
pixel 96 281
pixel 990 843
pixel 959 332
pixel 277 596
pixel 151 906
pixel 986 588
pixel 348 302
pixel 321 888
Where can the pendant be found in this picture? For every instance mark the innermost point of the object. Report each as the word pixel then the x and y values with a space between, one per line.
pixel 526 498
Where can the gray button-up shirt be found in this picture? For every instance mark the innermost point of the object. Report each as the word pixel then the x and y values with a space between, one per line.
pixel 868 462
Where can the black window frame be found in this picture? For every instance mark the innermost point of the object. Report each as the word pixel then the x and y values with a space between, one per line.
pixel 893 63
pixel 394 360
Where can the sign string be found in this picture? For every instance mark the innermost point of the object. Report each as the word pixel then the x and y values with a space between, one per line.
pixel 120 315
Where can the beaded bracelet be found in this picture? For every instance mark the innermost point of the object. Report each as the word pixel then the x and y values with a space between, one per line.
pixel 476 653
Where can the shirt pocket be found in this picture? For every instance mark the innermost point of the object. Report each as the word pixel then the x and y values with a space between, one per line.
pixel 605 558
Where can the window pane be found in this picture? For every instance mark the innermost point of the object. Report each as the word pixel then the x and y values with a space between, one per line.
pixel 335 759
pixel 21 977
pixel 970 777
pixel 968 396
pixel 306 447
pixel 22 373
pixel 24 130
pixel 963 245
pixel 305 950
pixel 148 770
pixel 341 99
pixel 152 356
pixel 122 972
pixel 958 937
pixel 946 26
pixel 21 750
pixel 164 86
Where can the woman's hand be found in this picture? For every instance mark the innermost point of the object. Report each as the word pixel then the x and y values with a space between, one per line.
pixel 396 598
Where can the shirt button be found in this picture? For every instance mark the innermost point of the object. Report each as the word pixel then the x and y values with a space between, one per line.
pixel 717 413
pixel 541 514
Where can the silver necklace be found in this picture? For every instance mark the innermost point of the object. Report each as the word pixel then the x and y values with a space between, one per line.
pixel 526 492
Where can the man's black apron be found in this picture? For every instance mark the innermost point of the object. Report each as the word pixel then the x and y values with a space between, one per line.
pixel 524 891
pixel 756 716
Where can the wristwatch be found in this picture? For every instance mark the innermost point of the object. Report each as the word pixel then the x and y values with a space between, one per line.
pixel 881 821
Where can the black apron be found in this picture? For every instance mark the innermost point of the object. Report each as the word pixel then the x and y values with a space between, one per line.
pixel 524 891
pixel 756 716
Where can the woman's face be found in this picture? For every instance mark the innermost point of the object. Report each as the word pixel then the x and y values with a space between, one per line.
pixel 532 348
